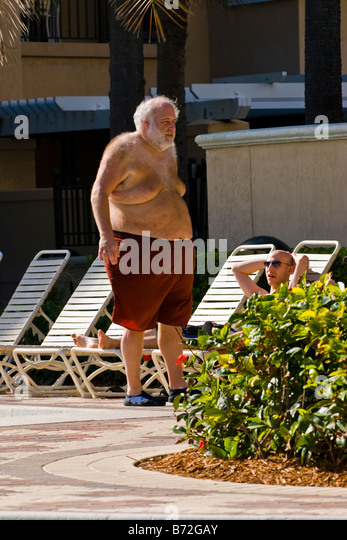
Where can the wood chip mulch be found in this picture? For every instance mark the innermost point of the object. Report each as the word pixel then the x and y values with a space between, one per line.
pixel 274 470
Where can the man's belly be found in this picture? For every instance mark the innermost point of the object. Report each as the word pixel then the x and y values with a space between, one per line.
pixel 165 216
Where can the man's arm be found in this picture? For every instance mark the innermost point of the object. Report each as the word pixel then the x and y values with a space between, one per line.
pixel 242 271
pixel 109 175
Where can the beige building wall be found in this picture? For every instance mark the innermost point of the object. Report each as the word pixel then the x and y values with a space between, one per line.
pixel 281 182
pixel 17 164
pixel 11 82
pixel 80 69
pixel 198 46
pixel 65 69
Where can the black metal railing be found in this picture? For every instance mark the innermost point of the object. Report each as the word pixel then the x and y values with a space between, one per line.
pixel 74 222
pixel 76 20
pixel 70 20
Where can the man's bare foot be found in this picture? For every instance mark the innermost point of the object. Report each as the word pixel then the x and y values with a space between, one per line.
pixel 106 342
pixel 84 341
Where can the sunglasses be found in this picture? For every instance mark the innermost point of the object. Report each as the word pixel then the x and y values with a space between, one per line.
pixel 275 264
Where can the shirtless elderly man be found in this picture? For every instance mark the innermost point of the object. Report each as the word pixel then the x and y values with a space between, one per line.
pixel 137 196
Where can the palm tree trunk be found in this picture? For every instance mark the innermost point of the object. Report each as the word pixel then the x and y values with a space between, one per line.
pixel 171 81
pixel 323 80
pixel 126 76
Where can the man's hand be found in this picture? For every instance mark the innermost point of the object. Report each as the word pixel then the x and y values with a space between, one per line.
pixel 109 250
pixel 301 263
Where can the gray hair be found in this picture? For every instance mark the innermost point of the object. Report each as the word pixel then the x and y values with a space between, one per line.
pixel 145 108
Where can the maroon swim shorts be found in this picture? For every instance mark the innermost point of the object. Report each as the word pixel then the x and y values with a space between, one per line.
pixel 152 281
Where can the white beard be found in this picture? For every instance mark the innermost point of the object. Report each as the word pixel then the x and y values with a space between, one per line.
pixel 157 138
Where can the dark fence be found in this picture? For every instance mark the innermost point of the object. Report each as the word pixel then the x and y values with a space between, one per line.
pixel 74 222
pixel 76 20
pixel 70 20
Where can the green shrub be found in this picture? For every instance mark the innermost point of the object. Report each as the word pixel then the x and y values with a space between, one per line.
pixel 280 385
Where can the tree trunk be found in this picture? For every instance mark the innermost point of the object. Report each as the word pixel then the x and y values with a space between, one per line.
pixel 126 76
pixel 323 79
pixel 171 82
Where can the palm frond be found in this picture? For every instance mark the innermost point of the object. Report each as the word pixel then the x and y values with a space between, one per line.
pixel 130 14
pixel 12 24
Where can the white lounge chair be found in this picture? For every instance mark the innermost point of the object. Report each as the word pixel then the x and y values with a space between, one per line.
pixel 320 263
pixel 86 306
pixel 222 298
pixel 25 305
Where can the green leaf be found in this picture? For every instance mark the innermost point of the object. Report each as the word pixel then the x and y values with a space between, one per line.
pixel 307 314
pixel 299 332
pixel 284 432
pixel 293 351
pixel 256 423
pixel 218 452
pixel 314 326
pixel 225 331
pixel 293 428
pixel 298 292
pixel 231 445
pixel 178 429
pixel 217 414
pixel 250 366
pixel 263 434
pixel 341 442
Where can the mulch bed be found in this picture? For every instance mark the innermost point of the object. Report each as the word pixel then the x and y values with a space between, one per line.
pixel 274 470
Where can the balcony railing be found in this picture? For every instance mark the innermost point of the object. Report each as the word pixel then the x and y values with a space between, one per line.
pixel 70 20
pixel 76 20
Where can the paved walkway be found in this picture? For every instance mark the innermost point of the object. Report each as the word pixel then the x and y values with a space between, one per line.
pixel 73 458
